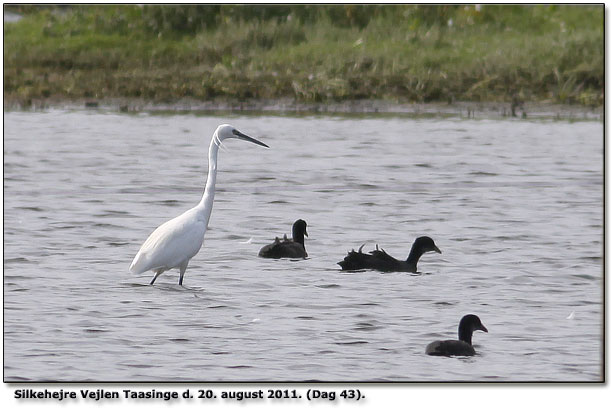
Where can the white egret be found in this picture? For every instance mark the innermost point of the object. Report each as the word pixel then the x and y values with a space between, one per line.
pixel 175 242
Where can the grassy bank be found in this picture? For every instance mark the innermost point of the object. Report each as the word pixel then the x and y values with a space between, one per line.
pixel 308 53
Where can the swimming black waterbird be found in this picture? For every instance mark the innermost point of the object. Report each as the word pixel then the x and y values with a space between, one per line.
pixel 462 347
pixel 288 248
pixel 381 261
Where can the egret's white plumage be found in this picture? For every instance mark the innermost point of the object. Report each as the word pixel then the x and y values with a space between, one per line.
pixel 175 242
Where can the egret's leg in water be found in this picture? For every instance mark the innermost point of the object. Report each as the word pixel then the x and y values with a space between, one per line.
pixel 183 269
pixel 157 273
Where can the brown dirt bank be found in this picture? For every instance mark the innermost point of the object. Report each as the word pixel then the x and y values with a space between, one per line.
pixel 475 110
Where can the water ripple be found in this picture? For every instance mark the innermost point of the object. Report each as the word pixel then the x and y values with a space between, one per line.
pixel 516 210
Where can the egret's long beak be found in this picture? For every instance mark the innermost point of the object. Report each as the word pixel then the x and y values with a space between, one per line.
pixel 435 248
pixel 248 138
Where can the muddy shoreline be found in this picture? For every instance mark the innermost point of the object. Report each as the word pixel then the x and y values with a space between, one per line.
pixel 476 110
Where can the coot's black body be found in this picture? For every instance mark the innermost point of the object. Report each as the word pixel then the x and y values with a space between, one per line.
pixel 381 261
pixel 288 248
pixel 463 346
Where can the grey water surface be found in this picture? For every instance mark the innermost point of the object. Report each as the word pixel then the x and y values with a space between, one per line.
pixel 516 206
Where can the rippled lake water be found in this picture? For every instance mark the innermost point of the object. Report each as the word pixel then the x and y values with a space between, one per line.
pixel 516 206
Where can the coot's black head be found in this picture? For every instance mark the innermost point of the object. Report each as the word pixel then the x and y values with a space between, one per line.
pixel 468 324
pixel 473 322
pixel 425 244
pixel 299 228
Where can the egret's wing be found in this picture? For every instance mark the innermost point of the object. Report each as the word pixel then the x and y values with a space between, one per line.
pixel 170 244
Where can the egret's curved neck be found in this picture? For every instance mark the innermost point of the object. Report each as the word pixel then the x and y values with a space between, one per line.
pixel 206 204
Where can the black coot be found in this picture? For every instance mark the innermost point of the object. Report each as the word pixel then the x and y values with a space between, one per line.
pixel 461 347
pixel 381 261
pixel 288 248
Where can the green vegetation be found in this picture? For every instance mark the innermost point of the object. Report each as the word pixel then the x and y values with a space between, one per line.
pixel 310 53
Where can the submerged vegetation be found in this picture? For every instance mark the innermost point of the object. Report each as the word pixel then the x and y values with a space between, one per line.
pixel 403 53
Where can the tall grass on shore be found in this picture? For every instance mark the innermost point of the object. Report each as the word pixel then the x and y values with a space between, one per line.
pixel 310 53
